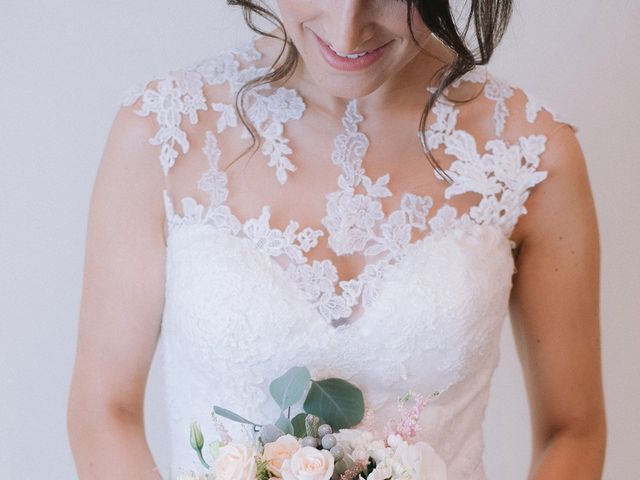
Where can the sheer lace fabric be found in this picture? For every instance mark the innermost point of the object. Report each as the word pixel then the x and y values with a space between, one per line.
pixel 256 277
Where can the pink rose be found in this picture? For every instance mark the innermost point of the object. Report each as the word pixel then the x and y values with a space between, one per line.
pixel 275 453
pixel 308 463
pixel 236 461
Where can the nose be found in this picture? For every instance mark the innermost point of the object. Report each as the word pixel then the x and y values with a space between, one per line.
pixel 349 25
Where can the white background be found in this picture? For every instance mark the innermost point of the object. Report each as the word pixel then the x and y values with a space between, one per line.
pixel 63 66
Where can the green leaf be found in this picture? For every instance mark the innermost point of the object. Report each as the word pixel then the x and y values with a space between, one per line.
pixel 284 424
pixel 232 416
pixel 338 402
pixel 299 429
pixel 287 389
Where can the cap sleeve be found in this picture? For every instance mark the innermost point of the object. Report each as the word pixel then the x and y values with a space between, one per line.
pixel 535 104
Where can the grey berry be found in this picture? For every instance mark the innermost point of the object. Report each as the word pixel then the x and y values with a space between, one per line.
pixel 324 429
pixel 310 442
pixel 328 441
pixel 337 451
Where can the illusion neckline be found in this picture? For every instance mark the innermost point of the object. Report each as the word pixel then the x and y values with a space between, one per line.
pixel 352 217
pixel 358 292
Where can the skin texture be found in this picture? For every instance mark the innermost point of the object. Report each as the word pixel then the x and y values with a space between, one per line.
pixel 555 317
pixel 555 297
pixel 352 26
pixel 120 312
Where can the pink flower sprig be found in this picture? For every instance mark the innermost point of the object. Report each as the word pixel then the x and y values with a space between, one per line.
pixel 220 428
pixel 407 426
pixel 354 471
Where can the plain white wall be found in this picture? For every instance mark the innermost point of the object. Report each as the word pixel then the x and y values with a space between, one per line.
pixel 63 66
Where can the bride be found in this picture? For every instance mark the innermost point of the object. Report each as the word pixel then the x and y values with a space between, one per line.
pixel 356 192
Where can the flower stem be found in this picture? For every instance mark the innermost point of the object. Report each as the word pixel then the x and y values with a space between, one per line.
pixel 202 460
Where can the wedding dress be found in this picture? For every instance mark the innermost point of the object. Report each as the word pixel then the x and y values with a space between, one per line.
pixel 254 283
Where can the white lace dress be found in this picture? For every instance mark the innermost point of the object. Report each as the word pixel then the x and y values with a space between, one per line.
pixel 252 286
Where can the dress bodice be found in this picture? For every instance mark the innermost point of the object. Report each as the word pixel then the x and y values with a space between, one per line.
pixel 246 299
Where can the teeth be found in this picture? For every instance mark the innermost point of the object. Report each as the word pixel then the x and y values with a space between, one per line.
pixel 346 55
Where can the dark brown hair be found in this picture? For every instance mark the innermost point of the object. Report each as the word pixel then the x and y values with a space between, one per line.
pixel 486 19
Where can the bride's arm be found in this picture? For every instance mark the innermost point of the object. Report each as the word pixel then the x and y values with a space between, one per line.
pixel 555 317
pixel 121 307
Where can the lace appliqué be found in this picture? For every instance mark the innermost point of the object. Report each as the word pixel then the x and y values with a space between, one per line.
pixel 503 174
pixel 355 220
pixel 180 93
pixel 499 91
pixel 535 105
pixel 494 89
pixel 352 217
pixel 268 114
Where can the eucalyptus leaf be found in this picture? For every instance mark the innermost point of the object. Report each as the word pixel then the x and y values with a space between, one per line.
pixel 287 389
pixel 338 402
pixel 232 416
pixel 270 433
pixel 284 424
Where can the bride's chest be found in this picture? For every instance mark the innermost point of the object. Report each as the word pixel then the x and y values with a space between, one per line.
pixel 348 207
pixel 436 313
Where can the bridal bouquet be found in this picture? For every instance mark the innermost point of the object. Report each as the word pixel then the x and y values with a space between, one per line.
pixel 319 443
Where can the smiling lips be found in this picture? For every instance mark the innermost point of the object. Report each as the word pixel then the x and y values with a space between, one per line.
pixel 348 55
pixel 351 61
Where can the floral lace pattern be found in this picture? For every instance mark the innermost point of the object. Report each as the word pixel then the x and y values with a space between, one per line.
pixel 180 93
pixel 503 175
pixel 432 309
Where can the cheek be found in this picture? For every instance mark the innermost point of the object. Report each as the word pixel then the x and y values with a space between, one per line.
pixel 392 15
pixel 295 10
pixel 420 30
pixel 295 13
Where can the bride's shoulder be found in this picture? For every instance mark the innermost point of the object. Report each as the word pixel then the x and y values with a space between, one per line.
pixel 518 137
pixel 536 126
pixel 509 111
pixel 188 85
pixel 169 107
pixel 524 142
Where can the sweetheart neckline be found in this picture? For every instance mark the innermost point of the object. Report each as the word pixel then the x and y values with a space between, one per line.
pixel 463 227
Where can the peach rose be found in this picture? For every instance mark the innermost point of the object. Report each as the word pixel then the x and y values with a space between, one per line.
pixel 277 452
pixel 236 461
pixel 308 463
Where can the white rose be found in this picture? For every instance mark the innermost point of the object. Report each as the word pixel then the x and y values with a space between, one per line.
pixel 236 461
pixel 359 455
pixel 347 435
pixel 378 451
pixel 393 440
pixel 308 463
pixel 277 452
pixel 381 472
pixel 420 461
pixel 352 438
